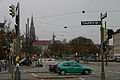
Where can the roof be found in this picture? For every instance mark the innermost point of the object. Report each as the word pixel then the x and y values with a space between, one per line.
pixel 44 42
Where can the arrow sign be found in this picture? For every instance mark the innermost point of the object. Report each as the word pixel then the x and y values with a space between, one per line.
pixel 90 22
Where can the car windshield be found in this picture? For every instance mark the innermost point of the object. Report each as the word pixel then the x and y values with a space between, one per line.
pixel 60 63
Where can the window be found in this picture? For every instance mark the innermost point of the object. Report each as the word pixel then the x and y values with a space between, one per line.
pixel 66 64
pixel 75 65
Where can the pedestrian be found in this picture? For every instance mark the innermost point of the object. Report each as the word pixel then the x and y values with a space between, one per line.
pixel 0 66
pixel 4 66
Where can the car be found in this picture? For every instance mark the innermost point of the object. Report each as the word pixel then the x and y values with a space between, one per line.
pixel 72 67
pixel 118 60
pixel 52 67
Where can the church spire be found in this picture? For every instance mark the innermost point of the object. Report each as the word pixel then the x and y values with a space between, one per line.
pixel 32 30
pixel 32 22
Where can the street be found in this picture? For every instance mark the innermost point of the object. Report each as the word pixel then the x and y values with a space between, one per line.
pixel 42 73
pixel 112 73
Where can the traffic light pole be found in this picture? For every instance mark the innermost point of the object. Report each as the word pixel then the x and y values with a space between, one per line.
pixel 17 73
pixel 102 53
pixel 106 51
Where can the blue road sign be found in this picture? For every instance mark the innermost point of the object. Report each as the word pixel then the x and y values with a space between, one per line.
pixel 90 22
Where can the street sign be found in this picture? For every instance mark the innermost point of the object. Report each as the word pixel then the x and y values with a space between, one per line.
pixel 104 16
pixel 90 22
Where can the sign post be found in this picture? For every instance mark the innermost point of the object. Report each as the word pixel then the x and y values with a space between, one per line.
pixel 102 36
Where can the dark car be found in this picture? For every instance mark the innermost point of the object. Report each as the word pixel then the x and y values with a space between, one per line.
pixel 52 67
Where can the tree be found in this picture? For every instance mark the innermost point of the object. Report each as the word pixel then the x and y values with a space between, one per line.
pixel 83 46
pixel 56 49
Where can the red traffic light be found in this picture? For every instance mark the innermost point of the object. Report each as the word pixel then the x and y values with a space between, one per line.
pixel 5 51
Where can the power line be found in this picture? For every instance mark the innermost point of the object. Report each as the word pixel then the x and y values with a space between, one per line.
pixel 76 12
pixel 59 24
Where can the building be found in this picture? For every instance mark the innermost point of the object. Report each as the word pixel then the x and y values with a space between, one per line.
pixel 32 31
pixel 44 44
pixel 116 43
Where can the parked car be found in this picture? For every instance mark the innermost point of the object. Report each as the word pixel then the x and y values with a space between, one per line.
pixel 52 67
pixel 118 60
pixel 72 67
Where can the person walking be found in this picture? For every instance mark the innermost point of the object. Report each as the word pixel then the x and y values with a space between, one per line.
pixel 4 66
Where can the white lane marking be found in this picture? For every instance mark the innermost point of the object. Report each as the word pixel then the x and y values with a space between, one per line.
pixel 93 73
pixel 81 78
pixel 34 75
pixel 117 72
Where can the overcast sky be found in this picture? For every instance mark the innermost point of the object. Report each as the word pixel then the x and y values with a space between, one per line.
pixel 50 16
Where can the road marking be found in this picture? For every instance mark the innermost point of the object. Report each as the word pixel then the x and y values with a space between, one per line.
pixel 34 75
pixel 117 72
pixel 93 73
pixel 81 78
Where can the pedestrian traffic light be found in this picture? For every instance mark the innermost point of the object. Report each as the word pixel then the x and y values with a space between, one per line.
pixel 12 10
pixel 110 33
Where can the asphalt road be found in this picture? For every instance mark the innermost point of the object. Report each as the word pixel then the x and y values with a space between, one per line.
pixel 111 73
pixel 42 73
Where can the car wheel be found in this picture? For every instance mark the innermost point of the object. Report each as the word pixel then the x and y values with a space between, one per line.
pixel 86 72
pixel 63 72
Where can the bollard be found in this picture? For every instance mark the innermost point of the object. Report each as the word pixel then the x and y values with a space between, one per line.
pixel 17 75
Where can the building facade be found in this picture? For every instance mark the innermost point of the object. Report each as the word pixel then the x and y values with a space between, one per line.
pixel 44 44
pixel 116 43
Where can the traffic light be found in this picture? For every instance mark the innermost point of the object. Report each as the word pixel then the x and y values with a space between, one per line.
pixel 105 34
pixel 5 51
pixel 110 33
pixel 12 10
pixel 12 47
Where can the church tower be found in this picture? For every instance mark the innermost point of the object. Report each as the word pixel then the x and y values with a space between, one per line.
pixel 32 31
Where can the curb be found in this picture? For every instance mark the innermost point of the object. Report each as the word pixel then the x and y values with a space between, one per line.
pixel 35 72
pixel 56 77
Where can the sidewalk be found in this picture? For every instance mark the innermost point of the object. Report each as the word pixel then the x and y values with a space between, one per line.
pixel 5 75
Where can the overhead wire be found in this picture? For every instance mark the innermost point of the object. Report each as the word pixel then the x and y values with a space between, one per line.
pixel 76 12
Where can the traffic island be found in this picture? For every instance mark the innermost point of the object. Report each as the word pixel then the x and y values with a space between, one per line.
pixel 55 77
